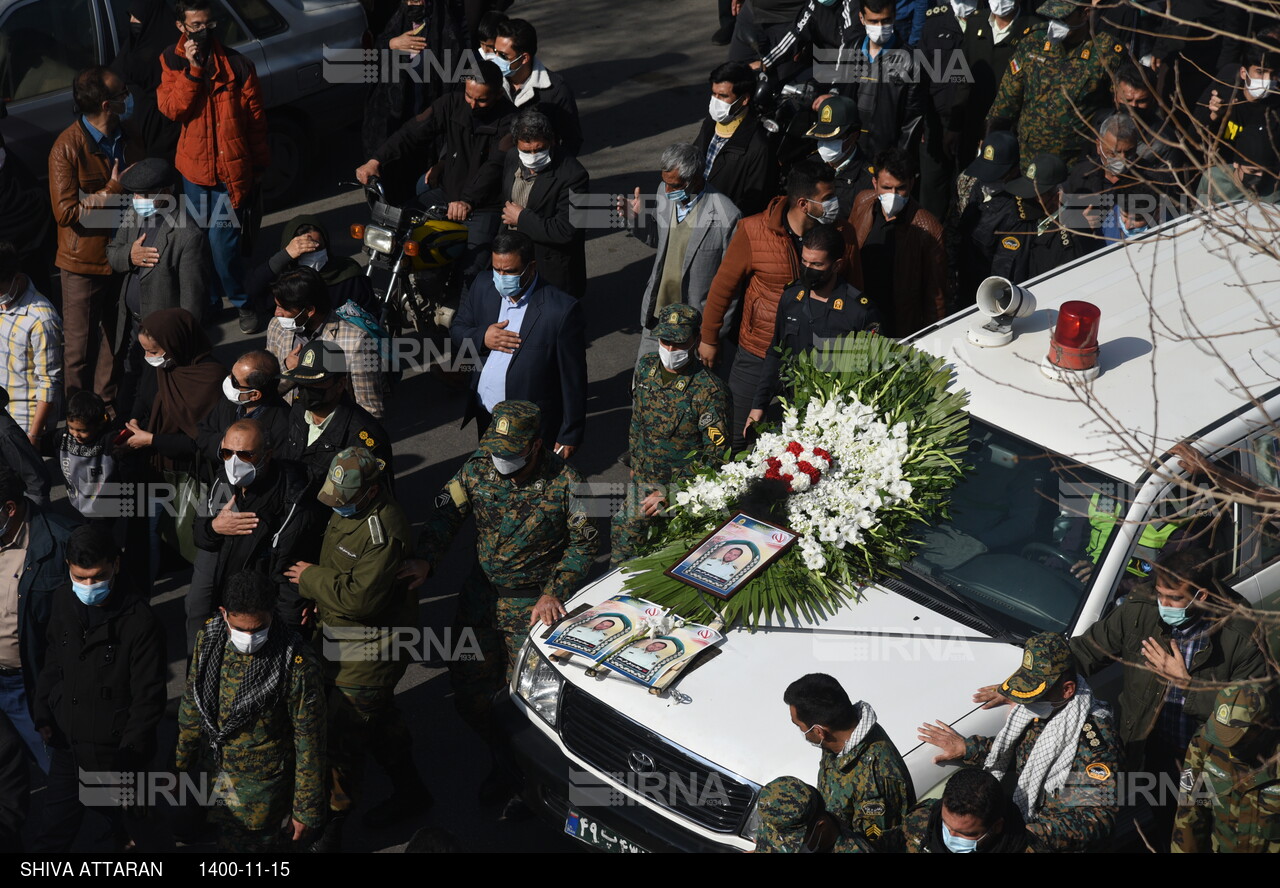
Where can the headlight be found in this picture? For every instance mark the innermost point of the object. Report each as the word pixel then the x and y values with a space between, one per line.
pixel 539 684
pixel 753 822
pixel 378 239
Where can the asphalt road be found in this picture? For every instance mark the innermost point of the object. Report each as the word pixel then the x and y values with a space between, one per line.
pixel 639 74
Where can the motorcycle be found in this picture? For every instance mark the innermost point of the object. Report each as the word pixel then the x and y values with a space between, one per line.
pixel 411 255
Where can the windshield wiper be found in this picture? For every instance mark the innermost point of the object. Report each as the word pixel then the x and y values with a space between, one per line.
pixel 996 629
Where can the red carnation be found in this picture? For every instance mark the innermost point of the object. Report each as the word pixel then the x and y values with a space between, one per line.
pixel 773 463
pixel 794 448
pixel 806 467
pixel 825 454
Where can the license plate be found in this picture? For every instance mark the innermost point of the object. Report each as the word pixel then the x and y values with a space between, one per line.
pixel 592 832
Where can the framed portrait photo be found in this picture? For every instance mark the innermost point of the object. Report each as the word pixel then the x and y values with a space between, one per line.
pixel 732 554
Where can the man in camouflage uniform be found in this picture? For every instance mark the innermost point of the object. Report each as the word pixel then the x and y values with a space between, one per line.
pixel 678 407
pixel 534 547
pixel 1068 798
pixel 253 721
pixel 362 607
pixel 1056 84
pixel 863 779
pixel 1229 797
pixel 793 820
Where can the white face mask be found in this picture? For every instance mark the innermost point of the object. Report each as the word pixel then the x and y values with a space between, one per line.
pixel 892 204
pixel 536 160
pixel 1258 87
pixel 1058 31
pixel 830 149
pixel 316 259
pixel 1003 8
pixel 239 472
pixel 722 111
pixel 880 34
pixel 963 10
pixel 287 323
pixel 830 210
pixel 231 393
pixel 247 642
pixel 673 358
pixel 488 55
pixel 509 466
pixel 1116 165
pixel 157 361
pixel 1043 709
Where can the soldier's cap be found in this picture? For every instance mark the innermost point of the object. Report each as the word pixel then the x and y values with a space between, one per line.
pixel 350 474
pixel 998 156
pixel 836 116
pixel 1058 9
pixel 1046 172
pixel 147 176
pixel 1045 659
pixel 677 323
pixel 319 361
pixel 786 809
pixel 1238 708
pixel 514 425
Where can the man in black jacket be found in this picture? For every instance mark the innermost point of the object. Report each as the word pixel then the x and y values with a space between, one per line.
pixel 973 816
pixel 530 86
pixel 101 691
pixel 324 420
pixel 251 392
pixel 19 454
pixel 539 181
pixel 260 517
pixel 737 157
pixel 15 787
pixel 462 137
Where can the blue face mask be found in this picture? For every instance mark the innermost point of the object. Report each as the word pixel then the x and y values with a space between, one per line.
pixel 144 206
pixel 677 195
pixel 507 285
pixel 957 845
pixel 92 593
pixel 128 107
pixel 503 65
pixel 1172 616
pixel 347 511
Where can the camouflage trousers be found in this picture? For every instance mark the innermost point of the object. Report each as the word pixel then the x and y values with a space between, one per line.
pixel 235 839
pixel 630 525
pixel 365 719
pixel 501 626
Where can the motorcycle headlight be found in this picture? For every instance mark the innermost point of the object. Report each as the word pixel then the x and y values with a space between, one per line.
pixel 380 240
pixel 539 684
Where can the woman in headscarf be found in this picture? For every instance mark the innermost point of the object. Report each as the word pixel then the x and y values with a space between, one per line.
pixel 304 241
pixel 151 31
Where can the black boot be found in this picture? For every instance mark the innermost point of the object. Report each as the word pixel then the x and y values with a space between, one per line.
pixel 330 839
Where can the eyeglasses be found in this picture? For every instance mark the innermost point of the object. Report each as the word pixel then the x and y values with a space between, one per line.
pixel 200 26
pixel 249 456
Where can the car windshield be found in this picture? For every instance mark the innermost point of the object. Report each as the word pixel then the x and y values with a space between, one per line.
pixel 1024 529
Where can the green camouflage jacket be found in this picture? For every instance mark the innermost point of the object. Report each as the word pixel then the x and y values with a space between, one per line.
pixel 672 415
pixel 868 789
pixel 363 608
pixel 275 767
pixel 1226 804
pixel 533 535
pixel 1080 816
pixel 1050 93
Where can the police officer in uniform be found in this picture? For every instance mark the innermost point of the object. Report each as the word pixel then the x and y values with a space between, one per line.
pixel 1040 241
pixel 988 209
pixel 324 420
pixel 360 604
pixel 837 130
pixel 678 407
pixel 1058 79
pixel 534 546
pixel 943 99
pixel 821 307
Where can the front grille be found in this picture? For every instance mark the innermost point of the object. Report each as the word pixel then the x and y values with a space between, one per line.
pixel 678 781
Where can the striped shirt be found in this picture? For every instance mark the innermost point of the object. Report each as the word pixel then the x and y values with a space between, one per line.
pixel 32 368
pixel 359 347
pixel 1173 725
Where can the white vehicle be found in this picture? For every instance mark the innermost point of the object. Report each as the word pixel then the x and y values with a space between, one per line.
pixel 1188 351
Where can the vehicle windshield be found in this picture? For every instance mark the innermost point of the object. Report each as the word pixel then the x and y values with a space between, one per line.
pixel 1025 528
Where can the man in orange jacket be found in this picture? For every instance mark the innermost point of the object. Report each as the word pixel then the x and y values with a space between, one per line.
pixel 762 260
pixel 222 152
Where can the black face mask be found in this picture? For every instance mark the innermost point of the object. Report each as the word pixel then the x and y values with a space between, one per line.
pixel 815 278
pixel 312 397
pixel 202 38
pixel 415 14
pixel 135 28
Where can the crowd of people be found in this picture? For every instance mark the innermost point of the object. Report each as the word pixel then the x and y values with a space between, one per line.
pixel 874 196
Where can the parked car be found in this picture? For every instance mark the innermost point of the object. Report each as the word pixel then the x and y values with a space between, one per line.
pixel 1186 355
pixel 44 43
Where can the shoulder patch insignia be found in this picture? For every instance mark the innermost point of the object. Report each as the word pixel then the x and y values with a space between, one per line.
pixel 1011 243
pixel 716 436
pixel 1187 780
pixel 704 420
pixel 838 305
pixel 872 831
pixel 1085 54
pixel 682 383
pixel 377 535
pixel 1097 771
pixel 873 809
pixel 1014 66
pixel 442 499
pixel 799 295
pixel 1047 46
pixel 653 371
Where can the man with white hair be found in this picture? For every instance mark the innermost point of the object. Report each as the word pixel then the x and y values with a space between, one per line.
pixel 690 223
pixel 1058 742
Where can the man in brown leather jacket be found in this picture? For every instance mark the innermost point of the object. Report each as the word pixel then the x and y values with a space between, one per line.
pixel 84 170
